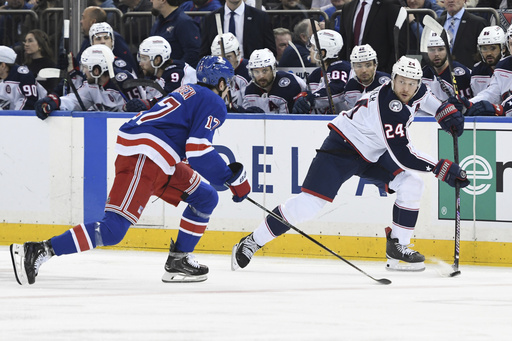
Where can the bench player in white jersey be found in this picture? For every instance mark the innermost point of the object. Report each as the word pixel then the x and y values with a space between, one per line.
pixel 492 47
pixel 232 53
pixel 441 84
pixel 155 62
pixel 150 148
pixel 270 91
pixel 371 141
pixel 18 87
pixel 363 59
pixel 99 92
pixel 338 74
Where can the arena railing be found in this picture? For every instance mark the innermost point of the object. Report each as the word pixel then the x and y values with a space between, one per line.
pixel 13 32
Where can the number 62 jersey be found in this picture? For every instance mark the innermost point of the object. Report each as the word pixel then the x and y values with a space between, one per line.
pixel 380 121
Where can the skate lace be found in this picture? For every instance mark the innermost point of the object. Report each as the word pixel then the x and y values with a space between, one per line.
pixel 249 247
pixel 192 261
pixel 43 257
pixel 404 249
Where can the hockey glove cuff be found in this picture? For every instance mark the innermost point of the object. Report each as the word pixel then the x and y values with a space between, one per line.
pixel 238 184
pixel 450 119
pixel 485 108
pixel 450 173
pixel 46 105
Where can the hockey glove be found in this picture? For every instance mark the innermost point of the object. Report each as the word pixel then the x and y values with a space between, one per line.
pixel 238 184
pixel 136 105
pixel 485 108
pixel 304 102
pixel 460 102
pixel 254 109
pixel 450 173
pixel 46 105
pixel 507 106
pixel 450 119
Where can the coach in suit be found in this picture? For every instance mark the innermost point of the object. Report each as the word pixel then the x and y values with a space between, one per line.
pixel 252 28
pixel 376 29
pixel 463 32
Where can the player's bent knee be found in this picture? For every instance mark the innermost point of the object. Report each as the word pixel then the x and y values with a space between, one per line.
pixel 408 187
pixel 204 199
pixel 302 208
pixel 111 229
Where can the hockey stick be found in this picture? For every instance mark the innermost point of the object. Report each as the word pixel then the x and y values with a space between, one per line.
pixel 322 65
pixel 133 83
pixel 223 53
pixel 301 63
pixel 109 57
pixel 381 280
pixel 68 77
pixel 402 15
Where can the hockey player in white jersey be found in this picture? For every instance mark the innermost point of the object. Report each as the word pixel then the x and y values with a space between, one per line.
pixel 155 61
pixel 99 92
pixel 270 91
pixel 363 59
pixel 232 53
pixel 338 74
pixel 18 87
pixel 492 47
pixel 372 141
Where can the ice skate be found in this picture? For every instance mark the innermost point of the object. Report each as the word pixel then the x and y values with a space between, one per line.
pixel 182 267
pixel 243 252
pixel 400 257
pixel 27 258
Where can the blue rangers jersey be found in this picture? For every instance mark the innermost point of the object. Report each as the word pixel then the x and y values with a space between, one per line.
pixel 500 86
pixel 480 77
pixel 19 90
pixel 101 97
pixel 179 126
pixel 338 74
pixel 175 74
pixel 279 99
pixel 380 121
pixel 441 86
pixel 355 89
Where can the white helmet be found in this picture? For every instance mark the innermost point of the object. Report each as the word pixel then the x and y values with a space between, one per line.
pixel 407 67
pixel 155 46
pixel 97 57
pixel 507 37
pixel 330 41
pixel 363 53
pixel 435 40
pixel 231 44
pixel 101 27
pixel 262 58
pixel 492 35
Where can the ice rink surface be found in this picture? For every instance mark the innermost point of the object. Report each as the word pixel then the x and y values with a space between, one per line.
pixel 118 295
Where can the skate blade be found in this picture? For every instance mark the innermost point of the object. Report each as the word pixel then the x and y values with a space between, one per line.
pixel 396 265
pixel 18 257
pixel 234 263
pixel 178 277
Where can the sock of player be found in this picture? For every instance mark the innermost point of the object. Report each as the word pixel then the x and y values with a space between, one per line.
pixel 270 228
pixel 192 228
pixel 404 221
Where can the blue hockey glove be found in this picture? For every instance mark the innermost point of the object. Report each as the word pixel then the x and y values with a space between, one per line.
pixel 460 102
pixel 450 119
pixel 136 105
pixel 46 105
pixel 507 106
pixel 304 102
pixel 450 173
pixel 238 184
pixel 485 108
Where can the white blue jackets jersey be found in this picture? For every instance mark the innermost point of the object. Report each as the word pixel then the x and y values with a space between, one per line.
pixel 355 89
pixel 240 82
pixel 338 74
pixel 105 97
pixel 19 90
pixel 279 99
pixel 462 76
pixel 480 77
pixel 380 121
pixel 176 74
pixel 500 86
pixel 179 126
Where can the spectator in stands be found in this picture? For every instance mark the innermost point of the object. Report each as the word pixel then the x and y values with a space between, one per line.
pixel 178 29
pixel 18 87
pixel 416 22
pixel 288 20
pixel 104 4
pixel 282 36
pixel 136 28
pixel 11 25
pixel 301 35
pixel 250 26
pixel 496 4
pixel 463 29
pixel 329 9
pixel 49 22
pixel 200 5
pixel 38 55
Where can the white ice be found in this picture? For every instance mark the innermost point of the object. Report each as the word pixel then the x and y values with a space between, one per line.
pixel 118 295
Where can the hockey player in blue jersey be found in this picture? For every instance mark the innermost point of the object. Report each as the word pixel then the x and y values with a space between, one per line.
pixel 155 62
pixel 151 147
pixel 338 74
pixel 363 59
pixel 371 141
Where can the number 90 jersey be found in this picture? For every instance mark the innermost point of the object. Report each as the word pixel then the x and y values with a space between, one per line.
pixel 379 122
pixel 179 126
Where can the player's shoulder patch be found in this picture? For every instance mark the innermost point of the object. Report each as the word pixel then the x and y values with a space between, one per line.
pixel 23 70
pixel 459 71
pixel 384 79
pixel 121 76
pixel 395 105
pixel 284 82
pixel 120 63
